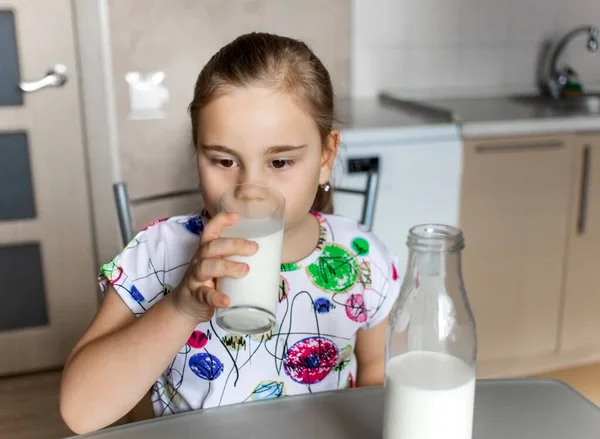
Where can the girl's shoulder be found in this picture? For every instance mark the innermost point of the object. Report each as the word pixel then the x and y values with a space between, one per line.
pixel 350 233
pixel 351 256
pixel 170 235
pixel 154 261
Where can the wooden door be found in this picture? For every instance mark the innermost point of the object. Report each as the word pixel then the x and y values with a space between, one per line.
pixel 515 202
pixel 581 319
pixel 48 293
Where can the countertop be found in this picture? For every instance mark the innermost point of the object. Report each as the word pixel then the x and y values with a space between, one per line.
pixel 374 120
pixel 519 409
pixel 498 115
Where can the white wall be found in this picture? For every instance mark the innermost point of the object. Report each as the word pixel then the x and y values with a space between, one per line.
pixel 477 44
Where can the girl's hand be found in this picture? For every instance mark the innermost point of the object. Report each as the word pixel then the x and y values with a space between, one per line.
pixel 196 297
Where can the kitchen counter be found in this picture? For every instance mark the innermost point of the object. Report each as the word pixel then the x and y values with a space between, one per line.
pixel 374 120
pixel 523 409
pixel 499 115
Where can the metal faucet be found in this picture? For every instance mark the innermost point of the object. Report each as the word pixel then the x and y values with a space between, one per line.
pixel 557 75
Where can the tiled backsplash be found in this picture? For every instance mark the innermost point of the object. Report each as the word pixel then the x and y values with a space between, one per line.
pixel 178 37
pixel 491 44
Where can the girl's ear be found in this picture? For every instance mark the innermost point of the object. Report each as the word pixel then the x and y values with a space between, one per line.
pixel 328 155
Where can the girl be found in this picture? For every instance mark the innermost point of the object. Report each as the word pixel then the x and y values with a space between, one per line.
pixel 262 112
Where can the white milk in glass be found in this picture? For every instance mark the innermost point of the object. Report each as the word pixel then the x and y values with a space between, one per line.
pixel 428 395
pixel 260 287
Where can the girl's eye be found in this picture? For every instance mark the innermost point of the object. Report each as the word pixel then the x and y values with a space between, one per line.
pixel 281 164
pixel 226 163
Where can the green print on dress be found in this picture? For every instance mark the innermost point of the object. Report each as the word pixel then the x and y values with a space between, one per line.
pixel 111 271
pixel 360 246
pixel 335 271
pixel 292 266
pixel 344 358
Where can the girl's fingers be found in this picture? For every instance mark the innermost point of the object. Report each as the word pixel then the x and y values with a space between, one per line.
pixel 209 269
pixel 212 298
pixel 222 247
pixel 216 225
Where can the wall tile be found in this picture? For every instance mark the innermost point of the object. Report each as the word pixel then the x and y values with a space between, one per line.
pixel 497 44
pixel 480 68
pixel 431 23
pixel 377 68
pixel 521 66
pixel 531 21
pixel 431 68
pixel 382 23
pixel 577 12
pixel 482 22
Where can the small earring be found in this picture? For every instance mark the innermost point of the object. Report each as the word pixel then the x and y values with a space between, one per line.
pixel 326 187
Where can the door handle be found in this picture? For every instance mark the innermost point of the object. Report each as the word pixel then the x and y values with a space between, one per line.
pixel 55 77
pixel 519 147
pixel 584 187
pixel 370 166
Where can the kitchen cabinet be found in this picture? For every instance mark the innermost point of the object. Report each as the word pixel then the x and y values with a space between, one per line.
pixel 580 332
pixel 516 195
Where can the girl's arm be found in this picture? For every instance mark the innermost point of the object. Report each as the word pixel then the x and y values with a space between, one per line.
pixel 370 354
pixel 120 356
pixel 118 360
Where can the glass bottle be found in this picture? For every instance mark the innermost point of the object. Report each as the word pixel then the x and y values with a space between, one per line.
pixel 431 345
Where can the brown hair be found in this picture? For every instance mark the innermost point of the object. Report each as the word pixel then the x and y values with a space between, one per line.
pixel 276 62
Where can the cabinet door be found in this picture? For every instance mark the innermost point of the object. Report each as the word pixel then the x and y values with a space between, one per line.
pixel 514 212
pixel 581 321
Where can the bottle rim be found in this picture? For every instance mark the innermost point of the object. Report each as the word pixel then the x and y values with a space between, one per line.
pixel 435 237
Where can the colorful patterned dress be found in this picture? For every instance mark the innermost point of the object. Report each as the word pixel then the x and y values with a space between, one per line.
pixel 349 282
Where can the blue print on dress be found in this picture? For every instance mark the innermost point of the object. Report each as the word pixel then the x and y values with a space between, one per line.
pixel 206 366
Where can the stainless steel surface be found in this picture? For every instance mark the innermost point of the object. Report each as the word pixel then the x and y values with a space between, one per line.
pixel 427 109
pixel 556 78
pixel 512 147
pixel 55 77
pixel 583 197
pixel 492 109
pixel 124 203
pixel 370 166
pixel 368 213
pixel 123 212
pixel 372 113
pixel 504 409
pixel 585 105
pixel 165 196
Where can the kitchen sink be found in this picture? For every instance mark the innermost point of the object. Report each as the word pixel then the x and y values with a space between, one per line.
pixel 588 104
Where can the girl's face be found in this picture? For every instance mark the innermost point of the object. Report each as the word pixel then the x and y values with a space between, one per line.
pixel 256 135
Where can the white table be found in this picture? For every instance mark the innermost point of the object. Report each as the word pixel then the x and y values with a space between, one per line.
pixel 504 409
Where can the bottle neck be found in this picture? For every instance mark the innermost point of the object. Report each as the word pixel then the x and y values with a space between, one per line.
pixel 434 264
pixel 434 314
pixel 434 251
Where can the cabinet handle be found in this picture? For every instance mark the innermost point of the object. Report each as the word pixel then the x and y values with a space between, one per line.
pixel 585 183
pixel 512 147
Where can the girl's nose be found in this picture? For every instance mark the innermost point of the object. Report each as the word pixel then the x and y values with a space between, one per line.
pixel 250 177
pixel 251 192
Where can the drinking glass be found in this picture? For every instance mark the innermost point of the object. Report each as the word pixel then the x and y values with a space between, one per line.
pixel 254 298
